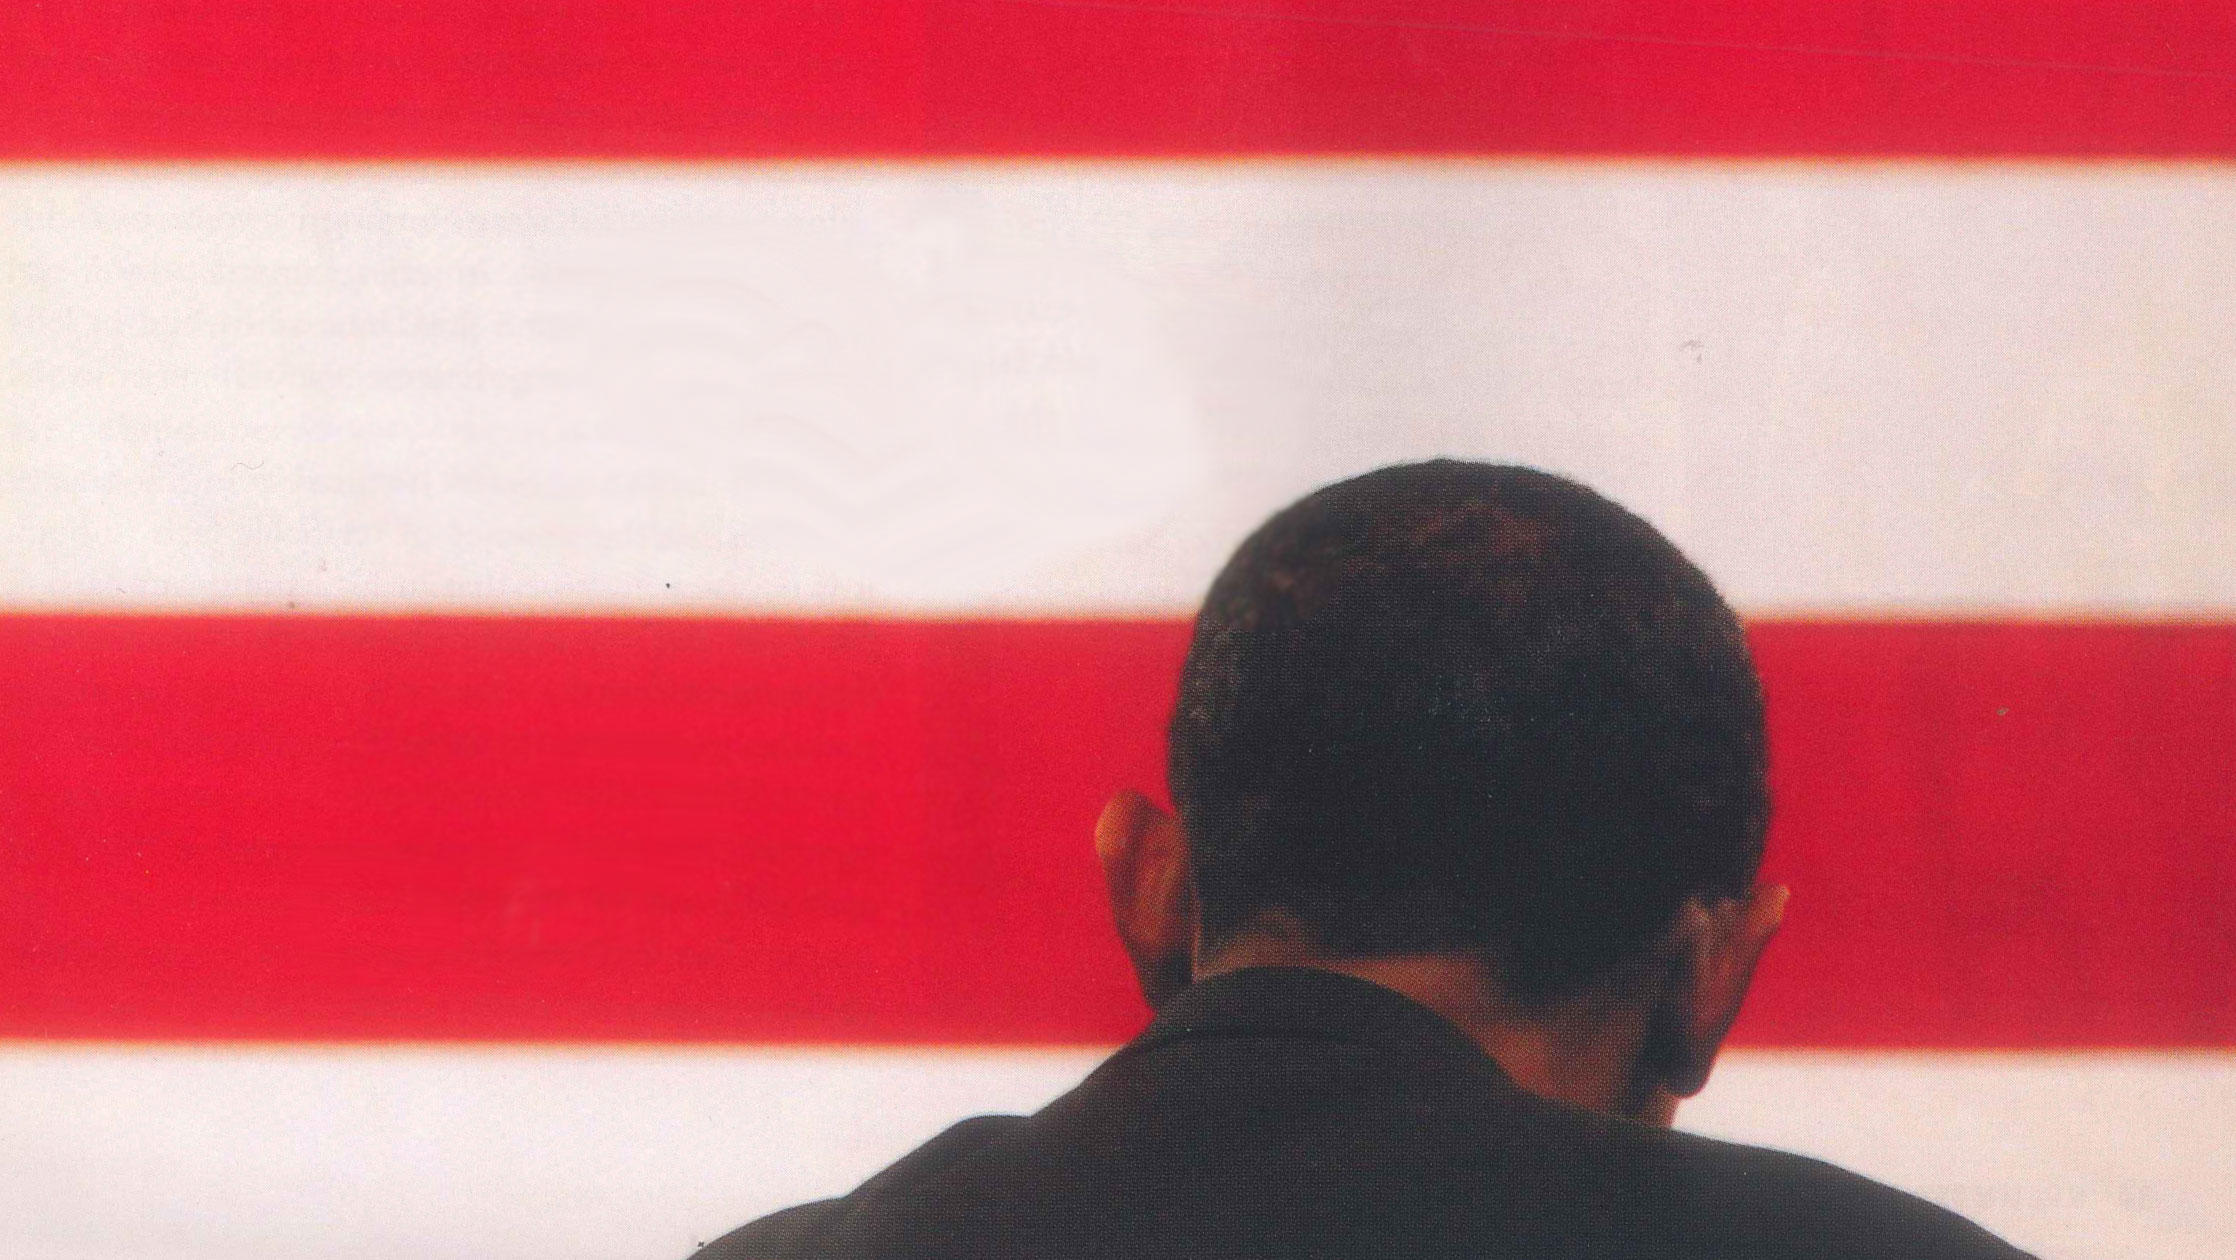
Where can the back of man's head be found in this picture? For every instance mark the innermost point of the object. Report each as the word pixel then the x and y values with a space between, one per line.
pixel 1470 709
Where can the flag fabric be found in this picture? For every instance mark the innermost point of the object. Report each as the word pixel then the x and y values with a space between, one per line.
pixel 572 578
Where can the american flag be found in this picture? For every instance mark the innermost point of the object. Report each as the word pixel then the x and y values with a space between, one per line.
pixel 573 575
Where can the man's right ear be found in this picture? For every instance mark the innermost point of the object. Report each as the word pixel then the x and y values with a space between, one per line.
pixel 1144 858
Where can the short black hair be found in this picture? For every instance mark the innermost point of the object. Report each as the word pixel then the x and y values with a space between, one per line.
pixel 1459 707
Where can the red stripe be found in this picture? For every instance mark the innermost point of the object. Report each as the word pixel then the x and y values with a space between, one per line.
pixel 921 78
pixel 2000 834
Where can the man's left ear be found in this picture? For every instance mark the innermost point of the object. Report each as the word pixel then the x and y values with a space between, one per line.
pixel 1144 857
pixel 1715 948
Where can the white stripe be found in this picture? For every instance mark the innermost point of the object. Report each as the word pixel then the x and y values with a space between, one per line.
pixel 240 1154
pixel 110 1153
pixel 2091 1156
pixel 1069 388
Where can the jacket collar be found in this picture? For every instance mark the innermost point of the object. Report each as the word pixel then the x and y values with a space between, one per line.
pixel 1311 1004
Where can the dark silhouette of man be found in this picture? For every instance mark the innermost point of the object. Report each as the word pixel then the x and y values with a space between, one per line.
pixel 1459 901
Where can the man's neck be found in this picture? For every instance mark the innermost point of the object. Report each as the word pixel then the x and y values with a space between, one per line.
pixel 1582 1050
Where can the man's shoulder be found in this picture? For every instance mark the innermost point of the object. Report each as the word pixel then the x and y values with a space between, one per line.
pixel 797 1233
pixel 777 1236
pixel 1771 1202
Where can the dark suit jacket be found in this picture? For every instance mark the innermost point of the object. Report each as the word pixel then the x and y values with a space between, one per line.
pixel 1289 1112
